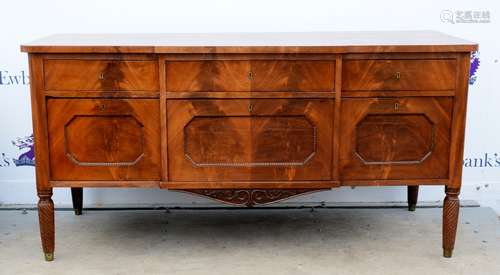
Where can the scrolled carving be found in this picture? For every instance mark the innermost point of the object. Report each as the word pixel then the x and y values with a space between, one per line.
pixel 250 197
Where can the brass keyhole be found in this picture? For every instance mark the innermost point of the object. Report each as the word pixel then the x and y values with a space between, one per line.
pixel 101 107
pixel 250 107
pixel 396 106
pixel 250 75
pixel 101 76
pixel 397 75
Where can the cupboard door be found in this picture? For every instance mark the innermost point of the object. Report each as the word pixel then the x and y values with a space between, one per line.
pixel 104 139
pixel 249 140
pixel 395 138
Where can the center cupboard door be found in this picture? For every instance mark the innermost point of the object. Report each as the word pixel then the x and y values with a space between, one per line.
pixel 249 140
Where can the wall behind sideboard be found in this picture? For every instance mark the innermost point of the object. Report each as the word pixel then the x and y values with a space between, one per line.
pixel 27 20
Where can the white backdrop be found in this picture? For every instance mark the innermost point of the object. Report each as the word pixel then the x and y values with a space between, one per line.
pixel 26 20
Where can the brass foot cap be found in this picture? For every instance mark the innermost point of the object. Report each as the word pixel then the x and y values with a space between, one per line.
pixel 78 212
pixel 412 207
pixel 447 253
pixel 49 257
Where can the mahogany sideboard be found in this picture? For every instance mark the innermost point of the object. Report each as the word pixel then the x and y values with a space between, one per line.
pixel 249 118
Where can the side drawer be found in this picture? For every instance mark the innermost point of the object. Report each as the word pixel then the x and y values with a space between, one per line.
pixel 402 75
pixel 104 139
pixel 250 75
pixel 100 75
pixel 395 138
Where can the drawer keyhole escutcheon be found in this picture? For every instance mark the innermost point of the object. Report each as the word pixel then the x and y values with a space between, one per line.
pixel 396 106
pixel 250 75
pixel 101 76
pixel 397 75
pixel 250 107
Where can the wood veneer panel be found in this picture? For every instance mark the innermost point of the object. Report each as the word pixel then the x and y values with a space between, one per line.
pixel 100 75
pixel 250 140
pixel 104 139
pixel 185 76
pixel 292 76
pixel 395 138
pixel 250 75
pixel 399 75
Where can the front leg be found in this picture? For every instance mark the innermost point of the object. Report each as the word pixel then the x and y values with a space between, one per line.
pixel 450 220
pixel 46 220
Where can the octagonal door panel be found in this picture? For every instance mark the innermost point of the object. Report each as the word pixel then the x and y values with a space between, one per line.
pixel 395 138
pixel 249 140
pixel 103 139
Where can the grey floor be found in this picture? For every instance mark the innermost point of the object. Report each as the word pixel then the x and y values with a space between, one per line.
pixel 269 241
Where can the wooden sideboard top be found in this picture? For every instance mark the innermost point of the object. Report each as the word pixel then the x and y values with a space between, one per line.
pixel 311 42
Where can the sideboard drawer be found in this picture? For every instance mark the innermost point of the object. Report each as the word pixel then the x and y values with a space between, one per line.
pixel 250 75
pixel 250 139
pixel 100 75
pixel 407 75
pixel 104 139
pixel 395 138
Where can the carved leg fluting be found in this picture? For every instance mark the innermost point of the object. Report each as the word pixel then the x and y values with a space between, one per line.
pixel 46 220
pixel 77 198
pixel 412 197
pixel 450 220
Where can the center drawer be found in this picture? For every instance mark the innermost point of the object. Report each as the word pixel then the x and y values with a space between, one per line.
pixel 250 75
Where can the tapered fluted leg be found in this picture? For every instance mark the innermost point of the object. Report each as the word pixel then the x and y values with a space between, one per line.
pixel 450 220
pixel 77 197
pixel 46 220
pixel 412 197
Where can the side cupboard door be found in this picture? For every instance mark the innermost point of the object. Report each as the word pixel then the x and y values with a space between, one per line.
pixel 249 140
pixel 104 139
pixel 395 138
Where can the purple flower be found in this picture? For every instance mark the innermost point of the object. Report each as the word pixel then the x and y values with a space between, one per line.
pixel 474 65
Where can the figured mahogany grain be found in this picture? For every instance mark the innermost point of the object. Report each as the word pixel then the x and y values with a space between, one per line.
pixel 257 139
pixel 395 138
pixel 104 139
pixel 100 75
pixel 188 76
pixel 293 76
pixel 253 75
pixel 399 75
